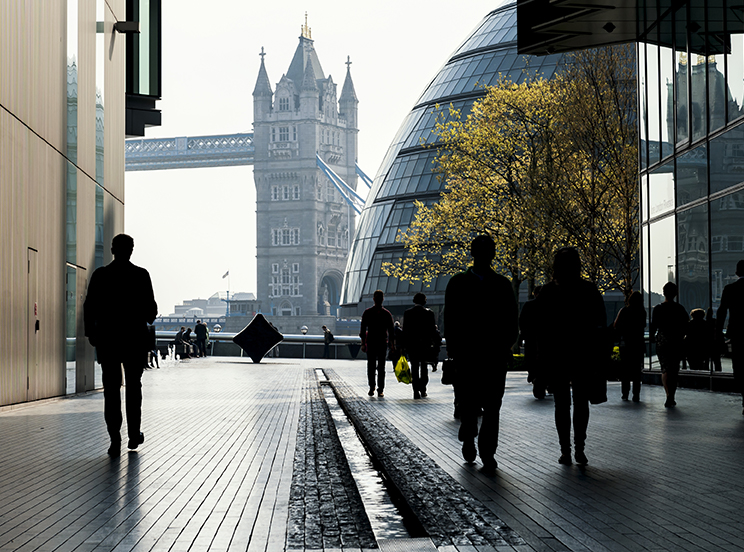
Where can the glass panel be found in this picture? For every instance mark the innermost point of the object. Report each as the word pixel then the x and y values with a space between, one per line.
pixel 653 91
pixel 661 258
pixel 72 78
pixel 644 198
pixel 692 260
pixel 100 88
pixel 680 82
pixel 642 105
pixel 71 214
pixel 667 101
pixel 735 77
pixel 143 49
pixel 661 190
pixel 692 175
pixel 98 244
pixel 716 92
pixel 727 235
pixel 727 160
pixel 71 328
pixel 698 85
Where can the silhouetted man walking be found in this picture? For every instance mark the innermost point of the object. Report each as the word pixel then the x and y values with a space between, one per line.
pixel 377 333
pixel 480 326
pixel 119 306
pixel 419 333
pixel 732 304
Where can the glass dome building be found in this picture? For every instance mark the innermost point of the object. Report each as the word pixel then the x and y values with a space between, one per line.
pixel 406 171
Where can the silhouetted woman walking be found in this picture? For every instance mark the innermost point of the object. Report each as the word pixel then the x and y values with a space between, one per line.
pixel 668 325
pixel 629 324
pixel 573 330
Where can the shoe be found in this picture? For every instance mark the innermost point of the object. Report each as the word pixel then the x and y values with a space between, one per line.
pixel 565 459
pixel 538 392
pixel 636 398
pixel 380 393
pixel 625 397
pixel 371 392
pixel 468 451
pixel 489 465
pixel 581 458
pixel 423 394
pixel 669 403
pixel 114 450
pixel 137 441
pixel 416 395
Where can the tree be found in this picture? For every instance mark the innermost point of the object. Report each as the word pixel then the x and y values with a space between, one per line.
pixel 538 165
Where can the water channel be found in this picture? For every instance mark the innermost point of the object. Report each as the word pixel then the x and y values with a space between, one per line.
pixel 387 520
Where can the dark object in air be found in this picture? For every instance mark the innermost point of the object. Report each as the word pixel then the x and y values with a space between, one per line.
pixel 258 338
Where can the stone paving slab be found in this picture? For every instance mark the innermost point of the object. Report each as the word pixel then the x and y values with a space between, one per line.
pixel 216 469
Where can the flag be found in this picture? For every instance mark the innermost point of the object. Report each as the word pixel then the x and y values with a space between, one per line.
pixel 225 275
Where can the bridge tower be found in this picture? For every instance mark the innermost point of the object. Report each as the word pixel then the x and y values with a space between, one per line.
pixel 304 227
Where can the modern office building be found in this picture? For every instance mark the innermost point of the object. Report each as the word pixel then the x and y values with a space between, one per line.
pixel 406 172
pixel 691 99
pixel 73 80
pixel 303 223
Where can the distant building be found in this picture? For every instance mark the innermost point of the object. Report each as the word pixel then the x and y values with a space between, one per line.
pixel 303 223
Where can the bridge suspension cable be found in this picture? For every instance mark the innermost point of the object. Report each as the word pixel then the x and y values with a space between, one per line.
pixel 347 192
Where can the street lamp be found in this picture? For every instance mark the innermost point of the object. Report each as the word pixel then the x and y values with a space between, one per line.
pixel 303 329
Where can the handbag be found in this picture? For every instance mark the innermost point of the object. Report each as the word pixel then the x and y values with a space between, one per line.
pixel 449 371
pixel 402 370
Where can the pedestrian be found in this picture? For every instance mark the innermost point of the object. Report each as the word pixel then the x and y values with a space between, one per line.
pixel 436 349
pixel 732 305
pixel 396 350
pixel 480 326
pixel 696 341
pixel 715 340
pixel 573 329
pixel 629 327
pixel 327 340
pixel 377 335
pixel 528 333
pixel 202 335
pixel 153 345
pixel 120 297
pixel 419 333
pixel 668 325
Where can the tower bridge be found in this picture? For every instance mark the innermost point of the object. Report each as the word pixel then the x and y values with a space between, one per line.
pixel 188 152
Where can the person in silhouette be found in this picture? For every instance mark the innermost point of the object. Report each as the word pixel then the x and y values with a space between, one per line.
pixel 480 326
pixel 668 324
pixel 696 341
pixel 377 335
pixel 202 334
pixel 715 340
pixel 629 326
pixel 573 327
pixel 327 340
pixel 528 333
pixel 732 305
pixel 419 333
pixel 120 297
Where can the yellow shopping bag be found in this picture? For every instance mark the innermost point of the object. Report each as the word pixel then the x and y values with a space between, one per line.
pixel 402 370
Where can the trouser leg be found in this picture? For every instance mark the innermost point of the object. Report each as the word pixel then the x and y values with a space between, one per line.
pixel 491 396
pixel 562 399
pixel 737 363
pixel 381 371
pixel 371 369
pixel 133 375
pixel 112 399
pixel 580 414
pixel 625 386
pixel 468 410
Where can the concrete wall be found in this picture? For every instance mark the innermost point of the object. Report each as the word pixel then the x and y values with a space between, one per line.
pixel 33 180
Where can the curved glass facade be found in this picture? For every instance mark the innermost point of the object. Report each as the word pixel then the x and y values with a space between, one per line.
pixel 691 93
pixel 406 173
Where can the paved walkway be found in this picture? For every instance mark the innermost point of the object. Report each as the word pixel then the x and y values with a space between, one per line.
pixel 216 470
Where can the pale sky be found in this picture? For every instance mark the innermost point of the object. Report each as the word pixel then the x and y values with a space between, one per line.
pixel 190 226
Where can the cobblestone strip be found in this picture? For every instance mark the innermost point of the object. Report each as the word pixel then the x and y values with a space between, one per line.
pixel 447 511
pixel 325 509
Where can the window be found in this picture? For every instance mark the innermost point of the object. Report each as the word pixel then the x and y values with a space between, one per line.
pixel 284 236
pixel 275 268
pixel 295 267
pixel 294 133
pixel 297 311
pixel 331 236
pixel 295 236
pixel 285 195
pixel 296 193
pixel 735 243
pixel 275 193
pixel 283 134
pixel 283 104
pixel 273 134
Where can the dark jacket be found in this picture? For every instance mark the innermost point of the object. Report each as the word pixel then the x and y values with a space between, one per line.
pixel 480 316
pixel 201 331
pixel 419 332
pixel 377 328
pixel 120 302
pixel 732 303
